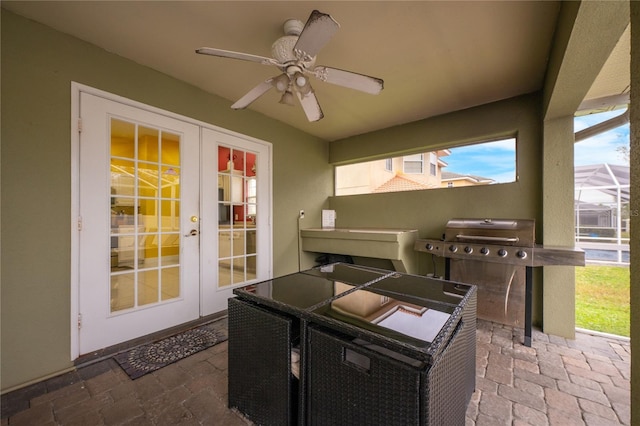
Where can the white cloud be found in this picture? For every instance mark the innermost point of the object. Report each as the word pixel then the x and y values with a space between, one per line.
pixel 505 177
pixel 601 148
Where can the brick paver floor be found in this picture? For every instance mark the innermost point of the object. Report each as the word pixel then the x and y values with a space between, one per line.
pixel 555 382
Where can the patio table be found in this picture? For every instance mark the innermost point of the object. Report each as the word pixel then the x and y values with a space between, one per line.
pixel 346 344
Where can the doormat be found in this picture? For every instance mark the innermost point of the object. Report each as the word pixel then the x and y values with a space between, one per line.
pixel 148 358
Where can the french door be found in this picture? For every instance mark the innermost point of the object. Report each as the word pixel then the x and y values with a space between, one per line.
pixel 171 217
pixel 235 229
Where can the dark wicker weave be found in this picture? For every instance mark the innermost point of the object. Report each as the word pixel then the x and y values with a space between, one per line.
pixel 341 393
pixel 390 392
pixel 260 383
pixel 451 380
pixel 468 334
pixel 444 385
pixel 351 372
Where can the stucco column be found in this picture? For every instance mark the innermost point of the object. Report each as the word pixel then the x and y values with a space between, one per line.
pixel 635 212
pixel 558 294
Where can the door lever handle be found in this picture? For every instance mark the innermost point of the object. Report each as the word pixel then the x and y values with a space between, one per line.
pixel 192 233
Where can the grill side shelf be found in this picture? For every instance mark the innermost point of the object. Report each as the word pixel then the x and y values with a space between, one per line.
pixel 549 255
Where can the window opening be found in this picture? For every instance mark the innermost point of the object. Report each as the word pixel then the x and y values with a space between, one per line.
pixel 477 164
pixel 602 190
pixel 602 219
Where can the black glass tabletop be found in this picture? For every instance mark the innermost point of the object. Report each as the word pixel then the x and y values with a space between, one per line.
pixel 412 320
pixel 304 290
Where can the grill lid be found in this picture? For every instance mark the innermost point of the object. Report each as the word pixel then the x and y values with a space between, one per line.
pixel 512 232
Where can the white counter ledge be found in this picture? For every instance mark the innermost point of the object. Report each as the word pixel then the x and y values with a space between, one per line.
pixel 395 245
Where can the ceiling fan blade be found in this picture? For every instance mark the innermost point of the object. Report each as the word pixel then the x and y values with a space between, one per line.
pixel 310 105
pixel 254 94
pixel 318 30
pixel 352 80
pixel 236 55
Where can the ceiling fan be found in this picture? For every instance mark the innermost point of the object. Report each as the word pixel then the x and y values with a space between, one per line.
pixel 295 55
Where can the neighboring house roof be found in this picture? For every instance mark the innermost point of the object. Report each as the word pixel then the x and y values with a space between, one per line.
pixel 401 183
pixel 449 176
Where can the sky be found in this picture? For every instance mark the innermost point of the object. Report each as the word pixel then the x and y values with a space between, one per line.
pixel 496 160
pixel 493 160
pixel 601 148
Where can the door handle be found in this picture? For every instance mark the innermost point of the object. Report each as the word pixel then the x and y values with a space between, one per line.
pixel 192 233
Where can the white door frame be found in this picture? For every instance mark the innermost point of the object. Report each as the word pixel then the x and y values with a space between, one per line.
pixel 76 89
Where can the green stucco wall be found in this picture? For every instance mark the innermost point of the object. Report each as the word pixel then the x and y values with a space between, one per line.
pixel 428 211
pixel 635 208
pixel 558 216
pixel 38 66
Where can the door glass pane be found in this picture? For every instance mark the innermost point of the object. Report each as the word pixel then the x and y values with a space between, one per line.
pixel 122 181
pixel 224 273
pixel 238 269
pixel 170 248
pixel 224 244
pixel 147 180
pixel 170 283
pixel 145 215
pixel 170 182
pixel 170 150
pixel 122 139
pixel 148 287
pixel 251 268
pixel 251 241
pixel 170 232
pixel 237 214
pixel 239 248
pixel 122 291
pixel 148 140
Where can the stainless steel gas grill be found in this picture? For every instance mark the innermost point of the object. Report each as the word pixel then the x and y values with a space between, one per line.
pixel 498 255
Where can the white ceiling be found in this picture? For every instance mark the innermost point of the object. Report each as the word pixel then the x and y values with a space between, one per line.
pixel 434 57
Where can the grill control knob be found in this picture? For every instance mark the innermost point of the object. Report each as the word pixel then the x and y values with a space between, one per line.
pixel 468 249
pixel 429 246
pixel 484 251
pixel 521 254
pixel 453 248
pixel 502 253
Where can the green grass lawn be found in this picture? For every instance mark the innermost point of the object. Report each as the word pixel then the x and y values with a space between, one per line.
pixel 602 299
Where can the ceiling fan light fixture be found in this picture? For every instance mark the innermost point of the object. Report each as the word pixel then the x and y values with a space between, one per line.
pixel 301 80
pixel 295 56
pixel 287 98
pixel 302 83
pixel 281 82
